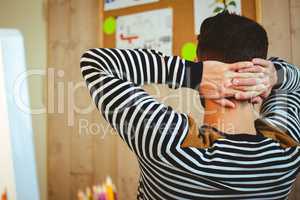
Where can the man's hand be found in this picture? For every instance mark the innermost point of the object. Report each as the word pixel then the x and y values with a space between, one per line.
pixel 270 79
pixel 218 79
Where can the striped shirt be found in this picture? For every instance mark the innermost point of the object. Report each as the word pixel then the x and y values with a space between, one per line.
pixel 241 166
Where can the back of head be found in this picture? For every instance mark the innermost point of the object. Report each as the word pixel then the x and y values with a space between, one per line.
pixel 231 38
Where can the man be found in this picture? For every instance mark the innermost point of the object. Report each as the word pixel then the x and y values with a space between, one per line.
pixel 281 107
pixel 174 163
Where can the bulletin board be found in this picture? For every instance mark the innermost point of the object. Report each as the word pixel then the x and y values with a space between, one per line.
pixel 183 19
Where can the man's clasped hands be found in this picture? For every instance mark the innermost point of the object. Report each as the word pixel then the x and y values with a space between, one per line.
pixel 251 81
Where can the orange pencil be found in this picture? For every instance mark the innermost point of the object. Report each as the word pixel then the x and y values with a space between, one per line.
pixel 4 196
pixel 81 195
pixel 109 189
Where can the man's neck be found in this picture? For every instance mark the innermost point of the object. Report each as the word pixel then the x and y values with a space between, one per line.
pixel 228 120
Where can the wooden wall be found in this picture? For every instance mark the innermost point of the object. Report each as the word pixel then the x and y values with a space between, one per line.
pixel 78 158
pixel 73 26
pixel 282 21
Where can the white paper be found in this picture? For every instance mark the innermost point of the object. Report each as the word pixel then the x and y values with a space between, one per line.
pixel 205 8
pixel 116 4
pixel 147 30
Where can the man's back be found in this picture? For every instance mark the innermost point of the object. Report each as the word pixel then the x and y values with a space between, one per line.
pixel 225 166
pixel 240 166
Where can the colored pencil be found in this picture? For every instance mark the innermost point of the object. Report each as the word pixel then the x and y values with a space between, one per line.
pixel 4 195
pixel 107 191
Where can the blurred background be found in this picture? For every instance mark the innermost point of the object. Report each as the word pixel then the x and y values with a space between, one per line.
pixel 73 145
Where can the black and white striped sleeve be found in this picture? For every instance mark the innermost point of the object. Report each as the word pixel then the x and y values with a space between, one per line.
pixel 114 77
pixel 288 76
pixel 281 108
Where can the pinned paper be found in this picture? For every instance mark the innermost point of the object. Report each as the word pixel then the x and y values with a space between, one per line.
pixel 117 4
pixel 207 8
pixel 146 30
pixel 109 26
pixel 188 51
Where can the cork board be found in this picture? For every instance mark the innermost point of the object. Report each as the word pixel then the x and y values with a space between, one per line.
pixel 183 19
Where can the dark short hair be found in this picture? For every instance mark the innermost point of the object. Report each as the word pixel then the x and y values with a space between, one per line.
pixel 232 38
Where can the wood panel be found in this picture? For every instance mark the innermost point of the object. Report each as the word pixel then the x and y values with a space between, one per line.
pixel 58 144
pixel 281 20
pixel 73 27
pixel 295 31
pixel 276 20
pixel 295 55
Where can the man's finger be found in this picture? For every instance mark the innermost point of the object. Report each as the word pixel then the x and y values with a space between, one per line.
pixel 256 100
pixel 240 65
pixel 230 74
pixel 261 62
pixel 255 69
pixel 210 95
pixel 259 87
pixel 225 103
pixel 246 81
pixel 229 92
pixel 250 81
pixel 247 95
pixel 228 83
pixel 266 93
pixel 221 93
